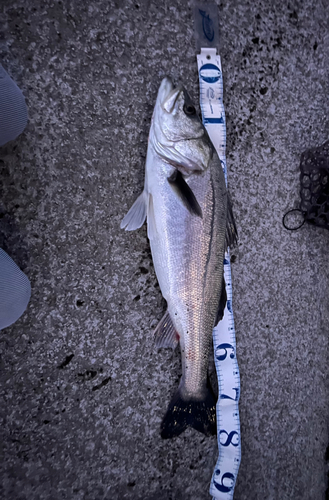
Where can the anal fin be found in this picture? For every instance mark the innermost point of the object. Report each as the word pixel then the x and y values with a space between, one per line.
pixel 165 333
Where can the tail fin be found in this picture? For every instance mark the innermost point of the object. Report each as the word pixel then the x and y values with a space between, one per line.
pixel 182 413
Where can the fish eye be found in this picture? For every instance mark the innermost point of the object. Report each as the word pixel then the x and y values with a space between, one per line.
pixel 189 109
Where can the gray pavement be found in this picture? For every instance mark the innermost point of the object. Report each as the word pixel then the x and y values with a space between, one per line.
pixel 83 389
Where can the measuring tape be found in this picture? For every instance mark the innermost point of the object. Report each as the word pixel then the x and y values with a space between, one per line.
pixel 227 409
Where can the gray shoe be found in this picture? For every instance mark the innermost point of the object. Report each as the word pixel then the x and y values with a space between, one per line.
pixel 13 111
pixel 15 291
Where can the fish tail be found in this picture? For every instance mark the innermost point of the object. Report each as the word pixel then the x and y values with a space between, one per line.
pixel 183 413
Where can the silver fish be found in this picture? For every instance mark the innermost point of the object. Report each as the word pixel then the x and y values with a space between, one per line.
pixel 189 224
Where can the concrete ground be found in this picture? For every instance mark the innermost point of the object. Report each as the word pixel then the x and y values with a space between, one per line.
pixel 83 389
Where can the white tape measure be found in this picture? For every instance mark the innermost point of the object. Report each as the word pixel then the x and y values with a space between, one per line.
pixel 227 409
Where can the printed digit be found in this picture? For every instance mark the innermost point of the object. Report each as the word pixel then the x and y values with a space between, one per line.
pixel 224 347
pixel 236 397
pixel 229 438
pixel 224 488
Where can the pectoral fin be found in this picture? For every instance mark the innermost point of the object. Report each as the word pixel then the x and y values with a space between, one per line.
pixel 185 193
pixel 137 214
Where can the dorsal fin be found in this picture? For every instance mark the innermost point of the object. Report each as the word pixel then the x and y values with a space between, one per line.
pixel 222 303
pixel 231 235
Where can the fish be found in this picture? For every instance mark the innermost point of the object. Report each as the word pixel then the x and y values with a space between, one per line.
pixel 189 226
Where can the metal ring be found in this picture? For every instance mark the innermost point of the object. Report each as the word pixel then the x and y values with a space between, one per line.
pixel 289 212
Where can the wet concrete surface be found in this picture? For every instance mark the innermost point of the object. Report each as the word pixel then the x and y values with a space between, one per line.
pixel 83 388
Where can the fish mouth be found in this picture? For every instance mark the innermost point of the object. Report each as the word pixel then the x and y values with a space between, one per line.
pixel 168 94
pixel 165 89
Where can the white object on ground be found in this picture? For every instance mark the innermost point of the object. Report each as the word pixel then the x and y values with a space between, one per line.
pixel 227 409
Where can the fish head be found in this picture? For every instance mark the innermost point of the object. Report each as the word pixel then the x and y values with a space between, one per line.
pixel 180 134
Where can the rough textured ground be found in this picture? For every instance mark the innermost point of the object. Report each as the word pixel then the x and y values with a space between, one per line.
pixel 83 389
